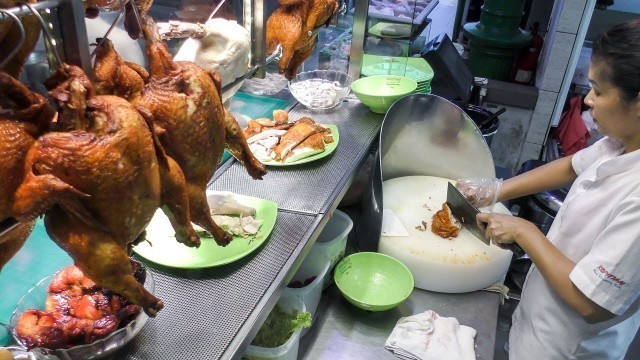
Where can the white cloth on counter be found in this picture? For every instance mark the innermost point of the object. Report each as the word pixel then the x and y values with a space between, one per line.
pixel 391 224
pixel 429 336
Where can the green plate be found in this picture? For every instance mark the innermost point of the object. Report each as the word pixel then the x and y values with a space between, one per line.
pixel 162 247
pixel 391 30
pixel 328 149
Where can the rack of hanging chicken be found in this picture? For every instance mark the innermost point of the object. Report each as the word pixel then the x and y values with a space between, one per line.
pixel 108 144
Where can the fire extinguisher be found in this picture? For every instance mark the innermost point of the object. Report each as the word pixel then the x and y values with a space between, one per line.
pixel 527 62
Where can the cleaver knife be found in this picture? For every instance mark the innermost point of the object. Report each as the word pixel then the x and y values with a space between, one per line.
pixel 464 211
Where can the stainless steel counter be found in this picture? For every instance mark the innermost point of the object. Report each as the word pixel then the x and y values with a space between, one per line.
pixel 343 332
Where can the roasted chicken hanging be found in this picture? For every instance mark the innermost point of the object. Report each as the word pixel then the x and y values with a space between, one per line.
pixel 292 26
pixel 24 116
pixel 184 103
pixel 100 177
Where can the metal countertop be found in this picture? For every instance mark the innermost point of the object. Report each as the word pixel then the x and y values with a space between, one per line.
pixel 344 332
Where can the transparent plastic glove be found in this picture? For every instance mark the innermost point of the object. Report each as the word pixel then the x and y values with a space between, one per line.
pixel 480 192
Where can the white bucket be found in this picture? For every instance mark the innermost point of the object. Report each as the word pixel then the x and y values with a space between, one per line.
pixel 287 351
pixel 332 241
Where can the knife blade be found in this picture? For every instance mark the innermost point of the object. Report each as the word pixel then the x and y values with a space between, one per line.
pixel 464 211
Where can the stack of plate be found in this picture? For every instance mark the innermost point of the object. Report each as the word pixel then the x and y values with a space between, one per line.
pixel 414 68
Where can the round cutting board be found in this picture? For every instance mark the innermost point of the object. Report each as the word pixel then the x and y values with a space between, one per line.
pixel 461 264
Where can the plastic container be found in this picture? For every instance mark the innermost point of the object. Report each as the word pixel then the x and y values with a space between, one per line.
pixel 332 241
pixel 287 351
pixel 310 294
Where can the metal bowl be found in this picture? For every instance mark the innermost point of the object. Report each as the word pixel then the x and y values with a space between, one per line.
pixel 320 89
pixel 35 299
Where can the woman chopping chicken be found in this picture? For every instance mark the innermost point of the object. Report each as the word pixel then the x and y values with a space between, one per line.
pixel 581 297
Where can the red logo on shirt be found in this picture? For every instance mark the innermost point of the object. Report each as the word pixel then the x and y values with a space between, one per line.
pixel 604 274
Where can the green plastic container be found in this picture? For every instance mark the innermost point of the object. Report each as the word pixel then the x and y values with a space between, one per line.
pixel 373 281
pixel 496 39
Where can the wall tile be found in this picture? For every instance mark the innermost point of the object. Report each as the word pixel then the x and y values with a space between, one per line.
pixel 541 118
pixel 558 60
pixel 571 15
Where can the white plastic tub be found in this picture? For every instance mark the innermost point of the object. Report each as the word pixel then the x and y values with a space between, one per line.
pixel 317 266
pixel 287 351
pixel 332 241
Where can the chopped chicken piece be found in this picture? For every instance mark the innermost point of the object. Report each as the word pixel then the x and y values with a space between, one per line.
pixel 444 224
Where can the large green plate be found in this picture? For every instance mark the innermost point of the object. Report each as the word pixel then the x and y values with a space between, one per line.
pixel 162 247
pixel 328 149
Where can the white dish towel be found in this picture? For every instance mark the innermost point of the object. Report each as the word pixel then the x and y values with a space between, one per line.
pixel 428 336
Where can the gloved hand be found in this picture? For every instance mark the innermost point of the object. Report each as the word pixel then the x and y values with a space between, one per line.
pixel 480 192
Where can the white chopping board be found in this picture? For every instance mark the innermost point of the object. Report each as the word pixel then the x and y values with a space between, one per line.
pixel 461 264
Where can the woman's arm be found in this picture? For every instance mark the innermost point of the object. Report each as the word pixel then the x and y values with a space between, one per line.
pixel 553 265
pixel 546 177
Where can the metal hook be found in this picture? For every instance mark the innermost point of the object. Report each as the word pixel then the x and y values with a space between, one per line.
pixel 113 25
pixel 136 13
pixel 215 10
pixel 47 33
pixel 20 43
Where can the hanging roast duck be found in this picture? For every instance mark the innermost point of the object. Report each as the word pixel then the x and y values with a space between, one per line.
pixel 183 101
pixel 99 177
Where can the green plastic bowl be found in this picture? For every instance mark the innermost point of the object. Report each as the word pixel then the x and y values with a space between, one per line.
pixel 380 91
pixel 373 281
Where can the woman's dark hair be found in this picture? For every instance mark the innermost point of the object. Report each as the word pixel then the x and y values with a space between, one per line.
pixel 619 48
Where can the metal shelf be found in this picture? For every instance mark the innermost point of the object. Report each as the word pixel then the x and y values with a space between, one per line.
pixel 215 313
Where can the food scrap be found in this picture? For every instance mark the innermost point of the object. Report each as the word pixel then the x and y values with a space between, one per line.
pixel 444 224
pixel 422 227
pixel 283 141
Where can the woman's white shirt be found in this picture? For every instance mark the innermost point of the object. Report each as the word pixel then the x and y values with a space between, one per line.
pixel 598 228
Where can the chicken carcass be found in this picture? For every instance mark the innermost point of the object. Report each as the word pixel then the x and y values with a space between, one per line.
pixel 24 116
pixel 292 26
pixel 185 105
pixel 98 179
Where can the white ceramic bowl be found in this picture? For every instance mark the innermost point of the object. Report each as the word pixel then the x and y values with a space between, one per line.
pixel 320 89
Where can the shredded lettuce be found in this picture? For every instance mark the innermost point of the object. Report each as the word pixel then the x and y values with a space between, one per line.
pixel 279 327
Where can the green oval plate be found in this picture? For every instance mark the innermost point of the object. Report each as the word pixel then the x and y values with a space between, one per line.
pixel 162 247
pixel 328 149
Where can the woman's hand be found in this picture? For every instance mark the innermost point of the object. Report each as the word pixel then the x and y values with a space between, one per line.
pixel 480 192
pixel 505 229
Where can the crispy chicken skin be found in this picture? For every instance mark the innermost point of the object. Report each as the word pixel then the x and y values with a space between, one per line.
pixel 98 180
pixel 443 224
pixel 183 101
pixel 291 25
pixel 77 311
pixel 25 116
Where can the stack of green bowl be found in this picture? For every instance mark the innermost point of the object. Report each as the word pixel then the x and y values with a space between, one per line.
pixel 424 75
pixel 414 68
